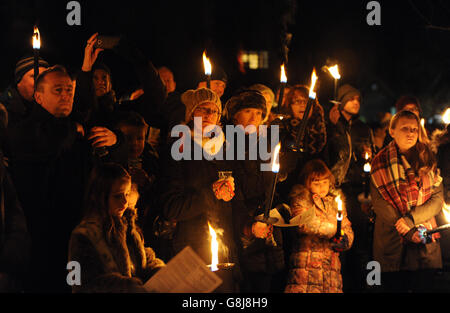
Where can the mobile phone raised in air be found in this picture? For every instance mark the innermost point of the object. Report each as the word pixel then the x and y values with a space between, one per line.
pixel 106 42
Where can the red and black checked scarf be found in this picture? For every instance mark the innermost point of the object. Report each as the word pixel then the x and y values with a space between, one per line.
pixel 396 181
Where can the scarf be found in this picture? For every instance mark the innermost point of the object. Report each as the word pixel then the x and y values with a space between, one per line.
pixel 396 181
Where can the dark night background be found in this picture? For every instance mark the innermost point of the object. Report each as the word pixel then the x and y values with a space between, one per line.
pixel 403 55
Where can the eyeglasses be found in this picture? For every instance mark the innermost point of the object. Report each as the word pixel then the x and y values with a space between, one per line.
pixel 206 111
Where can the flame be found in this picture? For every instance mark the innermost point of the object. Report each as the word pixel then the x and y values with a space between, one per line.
pixel 36 38
pixel 446 211
pixel 339 202
pixel 312 94
pixel 366 156
pixel 283 78
pixel 367 167
pixel 275 162
pixel 446 116
pixel 334 71
pixel 422 122
pixel 206 64
pixel 214 249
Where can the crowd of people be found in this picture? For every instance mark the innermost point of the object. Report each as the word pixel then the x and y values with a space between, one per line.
pixel 89 177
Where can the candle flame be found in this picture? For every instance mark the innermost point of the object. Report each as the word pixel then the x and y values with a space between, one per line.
pixel 422 122
pixel 334 71
pixel 206 64
pixel 446 116
pixel 339 202
pixel 214 249
pixel 312 94
pixel 275 162
pixel 367 167
pixel 366 156
pixel 446 211
pixel 36 38
pixel 283 78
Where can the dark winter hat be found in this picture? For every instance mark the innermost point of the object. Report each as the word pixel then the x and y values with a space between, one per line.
pixel 24 65
pixel 345 94
pixel 244 100
pixel 217 74
pixel 404 100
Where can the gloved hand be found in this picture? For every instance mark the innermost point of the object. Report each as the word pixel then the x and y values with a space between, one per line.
pixel 341 244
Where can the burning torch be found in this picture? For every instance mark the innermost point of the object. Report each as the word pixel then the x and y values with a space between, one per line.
pixel 302 128
pixel 208 70
pixel 275 169
pixel 36 46
pixel 283 82
pixel 334 71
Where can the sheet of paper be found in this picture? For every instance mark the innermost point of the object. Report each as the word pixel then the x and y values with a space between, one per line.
pixel 184 273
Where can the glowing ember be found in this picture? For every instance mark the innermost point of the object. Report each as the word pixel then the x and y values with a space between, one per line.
pixel 214 249
pixel 334 71
pixel 206 64
pixel 36 38
pixel 312 94
pixel 283 77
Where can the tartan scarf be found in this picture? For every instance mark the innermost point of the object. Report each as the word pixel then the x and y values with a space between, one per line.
pixel 396 181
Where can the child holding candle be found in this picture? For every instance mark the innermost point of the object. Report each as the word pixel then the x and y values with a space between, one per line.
pixel 314 263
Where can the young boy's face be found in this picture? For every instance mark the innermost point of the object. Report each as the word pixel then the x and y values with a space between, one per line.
pixel 135 137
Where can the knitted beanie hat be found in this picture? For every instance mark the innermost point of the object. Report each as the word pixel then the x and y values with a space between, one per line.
pixel 244 100
pixel 193 98
pixel 24 65
pixel 345 94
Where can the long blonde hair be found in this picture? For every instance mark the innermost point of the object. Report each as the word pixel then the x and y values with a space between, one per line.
pixel 424 160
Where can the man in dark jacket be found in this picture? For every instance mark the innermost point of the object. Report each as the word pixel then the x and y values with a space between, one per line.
pixel 50 161
pixel 18 98
pixel 14 237
pixel 348 142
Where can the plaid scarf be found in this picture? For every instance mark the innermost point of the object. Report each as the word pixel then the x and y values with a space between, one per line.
pixel 396 181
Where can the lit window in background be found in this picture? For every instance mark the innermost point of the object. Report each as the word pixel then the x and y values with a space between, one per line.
pixel 255 59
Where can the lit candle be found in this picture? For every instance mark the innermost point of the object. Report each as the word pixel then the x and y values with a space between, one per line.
pixel 422 124
pixel 283 81
pixel 36 47
pixel 302 128
pixel 208 70
pixel 275 169
pixel 334 71
pixel 446 116
pixel 339 217
pixel 214 249
pixel 366 180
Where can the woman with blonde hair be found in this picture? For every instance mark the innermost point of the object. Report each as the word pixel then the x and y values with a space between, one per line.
pixel 406 192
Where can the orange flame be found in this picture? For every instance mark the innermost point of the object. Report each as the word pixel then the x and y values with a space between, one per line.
pixel 214 249
pixel 339 202
pixel 334 71
pixel 207 64
pixel 283 78
pixel 36 38
pixel 312 94
pixel 446 116
pixel 276 161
